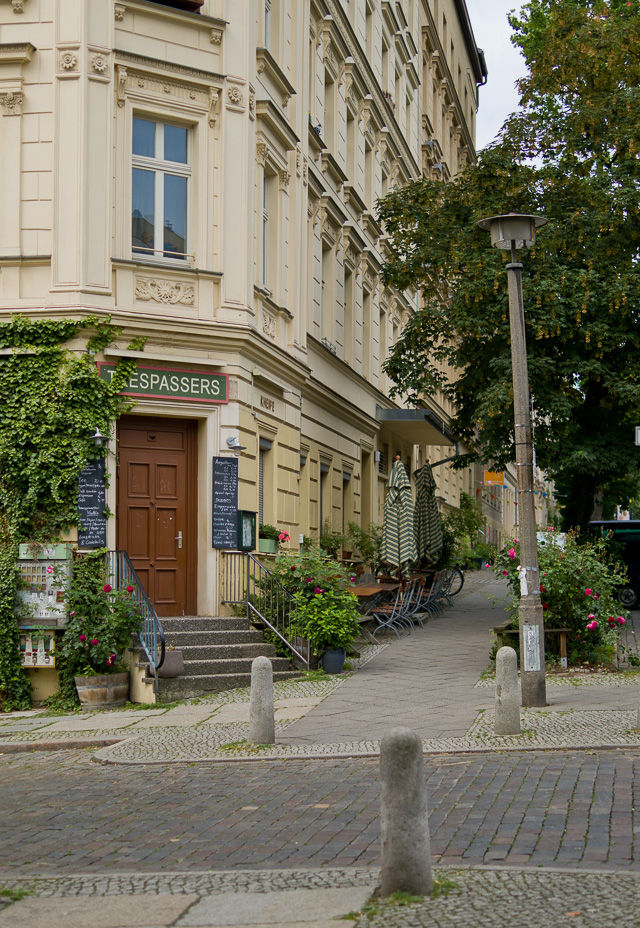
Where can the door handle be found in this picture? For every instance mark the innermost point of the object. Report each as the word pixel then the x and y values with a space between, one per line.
pixel 179 539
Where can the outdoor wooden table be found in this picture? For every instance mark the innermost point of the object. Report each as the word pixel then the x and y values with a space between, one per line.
pixel 366 591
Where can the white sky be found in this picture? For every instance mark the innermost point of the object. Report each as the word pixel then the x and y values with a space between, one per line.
pixel 498 97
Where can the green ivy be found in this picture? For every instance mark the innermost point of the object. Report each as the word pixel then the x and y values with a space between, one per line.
pixel 52 403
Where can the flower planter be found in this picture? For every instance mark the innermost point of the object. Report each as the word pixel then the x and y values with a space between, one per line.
pixel 333 660
pixel 267 546
pixel 104 691
pixel 172 665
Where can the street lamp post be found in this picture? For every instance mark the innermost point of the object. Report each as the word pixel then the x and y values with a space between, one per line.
pixel 514 231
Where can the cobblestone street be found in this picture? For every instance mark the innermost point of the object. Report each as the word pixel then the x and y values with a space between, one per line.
pixel 552 809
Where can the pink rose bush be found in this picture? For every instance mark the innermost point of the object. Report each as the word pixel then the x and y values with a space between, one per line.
pixel 101 621
pixel 577 588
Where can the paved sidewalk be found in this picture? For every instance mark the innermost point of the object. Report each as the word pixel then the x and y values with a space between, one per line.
pixel 171 840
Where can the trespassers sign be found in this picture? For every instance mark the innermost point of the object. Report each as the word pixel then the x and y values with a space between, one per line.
pixel 172 383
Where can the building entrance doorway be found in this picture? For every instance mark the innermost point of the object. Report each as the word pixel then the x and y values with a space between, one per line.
pixel 156 511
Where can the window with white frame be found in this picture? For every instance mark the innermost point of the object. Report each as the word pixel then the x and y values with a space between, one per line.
pixel 161 172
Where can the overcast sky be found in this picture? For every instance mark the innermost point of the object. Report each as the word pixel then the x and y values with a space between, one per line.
pixel 504 64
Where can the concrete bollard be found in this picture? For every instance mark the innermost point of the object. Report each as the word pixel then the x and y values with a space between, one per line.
pixel 262 729
pixel 404 824
pixel 507 710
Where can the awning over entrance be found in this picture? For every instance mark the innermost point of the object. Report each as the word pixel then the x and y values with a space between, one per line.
pixel 415 426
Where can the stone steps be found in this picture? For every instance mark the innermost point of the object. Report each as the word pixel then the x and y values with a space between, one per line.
pixel 186 687
pixel 218 652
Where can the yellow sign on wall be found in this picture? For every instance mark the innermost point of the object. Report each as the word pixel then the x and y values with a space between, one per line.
pixel 493 478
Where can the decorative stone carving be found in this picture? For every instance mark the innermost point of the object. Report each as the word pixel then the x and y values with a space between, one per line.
pixel 268 324
pixel 121 84
pixel 214 96
pixel 215 36
pixel 234 95
pixel 119 12
pixel 99 63
pixel 285 99
pixel 18 6
pixel 252 103
pixel 11 102
pixel 284 177
pixel 68 61
pixel 164 291
pixel 261 153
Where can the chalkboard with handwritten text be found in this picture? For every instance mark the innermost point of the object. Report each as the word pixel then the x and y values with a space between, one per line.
pixel 225 502
pixel 92 503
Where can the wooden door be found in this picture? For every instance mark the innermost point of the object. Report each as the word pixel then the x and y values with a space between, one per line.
pixel 156 515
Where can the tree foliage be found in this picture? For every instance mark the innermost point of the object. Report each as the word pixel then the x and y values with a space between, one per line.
pixel 569 153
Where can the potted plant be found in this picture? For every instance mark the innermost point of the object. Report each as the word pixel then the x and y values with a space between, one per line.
pixel 100 624
pixel 270 538
pixel 331 542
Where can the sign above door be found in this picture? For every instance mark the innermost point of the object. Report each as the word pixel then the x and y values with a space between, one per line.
pixel 172 383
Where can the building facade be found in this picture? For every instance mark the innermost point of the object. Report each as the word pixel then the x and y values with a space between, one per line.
pixel 206 173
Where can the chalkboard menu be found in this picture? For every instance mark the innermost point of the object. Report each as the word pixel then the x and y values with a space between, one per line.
pixel 225 502
pixel 92 503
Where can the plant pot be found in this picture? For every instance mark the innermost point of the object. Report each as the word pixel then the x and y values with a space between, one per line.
pixel 172 665
pixel 103 691
pixel 267 546
pixel 333 660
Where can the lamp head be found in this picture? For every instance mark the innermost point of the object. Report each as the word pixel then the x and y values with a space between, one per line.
pixel 512 230
pixel 98 439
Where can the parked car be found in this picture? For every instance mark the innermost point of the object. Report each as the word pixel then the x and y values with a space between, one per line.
pixel 628 534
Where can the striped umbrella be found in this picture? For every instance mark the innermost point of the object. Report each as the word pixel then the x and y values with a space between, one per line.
pixel 398 541
pixel 426 520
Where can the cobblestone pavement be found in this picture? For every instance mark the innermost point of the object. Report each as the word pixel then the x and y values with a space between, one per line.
pixel 564 809
pixel 481 898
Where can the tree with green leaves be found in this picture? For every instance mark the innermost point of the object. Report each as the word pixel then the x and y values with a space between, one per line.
pixel 570 153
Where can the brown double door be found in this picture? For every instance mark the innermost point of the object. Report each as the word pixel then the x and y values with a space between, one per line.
pixel 156 515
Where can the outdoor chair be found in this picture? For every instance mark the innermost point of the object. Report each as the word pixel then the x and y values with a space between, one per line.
pixel 394 615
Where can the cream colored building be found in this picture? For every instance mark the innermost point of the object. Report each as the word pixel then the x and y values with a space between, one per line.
pixel 207 172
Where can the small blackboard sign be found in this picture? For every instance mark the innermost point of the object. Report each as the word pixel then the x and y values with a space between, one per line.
pixel 225 502
pixel 92 502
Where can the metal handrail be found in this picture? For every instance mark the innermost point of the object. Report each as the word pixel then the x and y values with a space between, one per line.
pixel 151 634
pixel 250 583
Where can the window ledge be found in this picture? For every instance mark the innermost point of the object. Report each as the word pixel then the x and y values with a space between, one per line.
pixel 160 265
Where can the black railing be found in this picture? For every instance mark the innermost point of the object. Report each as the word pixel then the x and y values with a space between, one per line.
pixel 122 574
pixel 247 582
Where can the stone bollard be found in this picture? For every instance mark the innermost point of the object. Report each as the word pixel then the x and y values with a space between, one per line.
pixel 404 825
pixel 507 711
pixel 262 728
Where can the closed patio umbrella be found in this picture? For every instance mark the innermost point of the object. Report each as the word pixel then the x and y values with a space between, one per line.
pixel 398 540
pixel 426 520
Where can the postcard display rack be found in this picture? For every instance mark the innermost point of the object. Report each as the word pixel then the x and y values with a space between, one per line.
pixel 45 575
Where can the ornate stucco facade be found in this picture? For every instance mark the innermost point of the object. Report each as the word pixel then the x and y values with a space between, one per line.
pixel 207 174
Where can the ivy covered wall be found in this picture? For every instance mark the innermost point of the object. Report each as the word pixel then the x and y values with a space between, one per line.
pixel 52 401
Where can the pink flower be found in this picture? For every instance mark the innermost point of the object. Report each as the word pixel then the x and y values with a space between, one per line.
pixel 588 591
pixel 82 637
pixel 621 621
pixel 611 621
pixel 512 553
pixel 49 570
pixel 93 641
pixel 107 587
pixel 596 596
pixel 72 613
pixel 591 616
pixel 293 568
pixel 487 564
pixel 318 590
pixel 506 573
pixel 592 625
pixel 352 579
pixel 130 589
pixel 283 536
